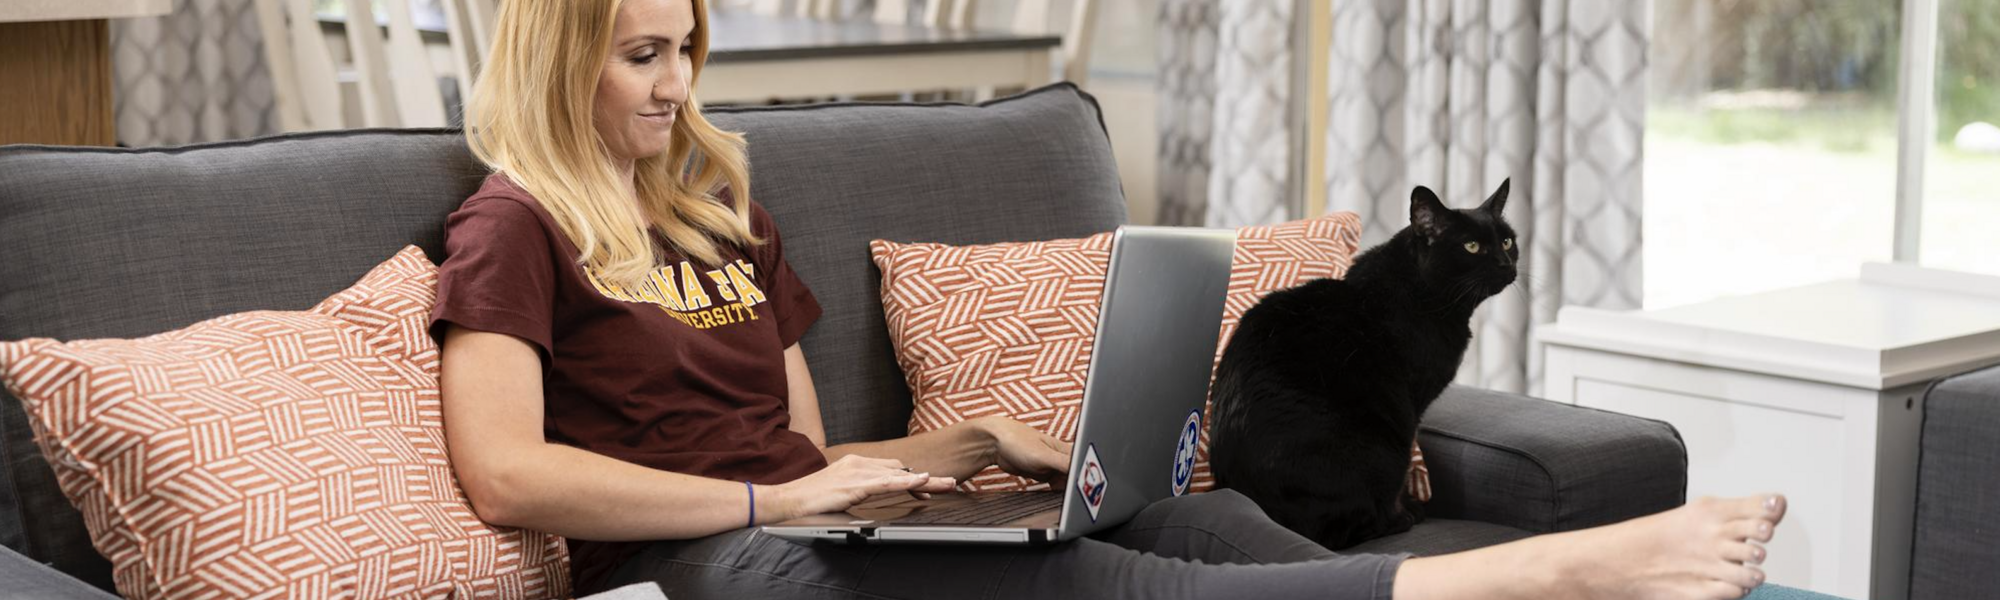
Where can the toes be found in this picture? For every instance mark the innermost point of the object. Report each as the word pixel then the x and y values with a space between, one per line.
pixel 1742 553
pixel 1756 530
pixel 1766 506
pixel 1741 576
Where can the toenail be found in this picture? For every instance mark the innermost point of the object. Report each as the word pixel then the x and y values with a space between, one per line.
pixel 1771 504
pixel 1763 528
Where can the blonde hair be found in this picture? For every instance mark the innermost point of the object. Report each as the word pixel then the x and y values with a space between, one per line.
pixel 531 120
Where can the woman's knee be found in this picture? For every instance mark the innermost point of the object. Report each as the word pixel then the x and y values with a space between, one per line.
pixel 1219 507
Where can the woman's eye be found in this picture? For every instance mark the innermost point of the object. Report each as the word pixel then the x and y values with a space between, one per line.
pixel 644 59
pixel 1507 244
pixel 1472 247
pixel 686 50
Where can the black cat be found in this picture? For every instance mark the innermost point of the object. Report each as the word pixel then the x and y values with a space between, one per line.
pixel 1319 391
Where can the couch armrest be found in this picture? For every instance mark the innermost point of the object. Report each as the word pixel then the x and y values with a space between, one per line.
pixel 1952 552
pixel 26 579
pixel 1544 467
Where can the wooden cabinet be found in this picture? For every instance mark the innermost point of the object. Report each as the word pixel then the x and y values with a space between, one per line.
pixel 55 69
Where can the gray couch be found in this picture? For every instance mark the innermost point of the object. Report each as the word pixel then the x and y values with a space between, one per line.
pixel 1958 494
pixel 120 243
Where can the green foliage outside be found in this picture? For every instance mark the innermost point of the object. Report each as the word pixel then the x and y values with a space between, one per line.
pixel 1841 57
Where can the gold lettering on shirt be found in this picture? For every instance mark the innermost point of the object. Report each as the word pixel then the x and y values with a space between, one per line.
pixel 678 292
pixel 722 285
pixel 695 297
pixel 663 279
pixel 745 286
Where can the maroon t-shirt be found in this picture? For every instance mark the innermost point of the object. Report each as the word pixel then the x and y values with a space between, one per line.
pixel 685 373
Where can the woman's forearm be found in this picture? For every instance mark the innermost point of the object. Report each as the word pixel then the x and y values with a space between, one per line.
pixel 575 493
pixel 957 451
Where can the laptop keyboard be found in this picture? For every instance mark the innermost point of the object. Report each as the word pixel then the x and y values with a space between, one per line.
pixel 988 509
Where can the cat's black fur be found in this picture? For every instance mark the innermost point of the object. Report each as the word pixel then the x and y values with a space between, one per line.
pixel 1319 391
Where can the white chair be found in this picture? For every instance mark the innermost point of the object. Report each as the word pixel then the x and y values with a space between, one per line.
pixel 397 87
pixel 1029 16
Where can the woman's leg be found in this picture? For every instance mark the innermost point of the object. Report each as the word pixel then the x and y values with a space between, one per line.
pixel 1219 527
pixel 749 564
pixel 1702 550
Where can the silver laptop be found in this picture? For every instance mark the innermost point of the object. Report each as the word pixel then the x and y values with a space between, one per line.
pixel 1138 425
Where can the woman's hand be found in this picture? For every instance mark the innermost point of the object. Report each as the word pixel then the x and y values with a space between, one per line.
pixel 843 484
pixel 1026 451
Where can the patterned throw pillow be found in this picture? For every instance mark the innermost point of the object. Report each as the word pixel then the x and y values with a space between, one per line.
pixel 276 454
pixel 1006 329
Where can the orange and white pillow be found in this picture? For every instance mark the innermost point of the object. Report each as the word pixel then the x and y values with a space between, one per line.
pixel 286 454
pixel 1006 329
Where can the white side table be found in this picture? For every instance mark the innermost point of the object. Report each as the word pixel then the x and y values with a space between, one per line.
pixel 1815 392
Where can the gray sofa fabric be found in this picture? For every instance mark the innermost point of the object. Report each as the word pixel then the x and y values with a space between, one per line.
pixel 1952 554
pixel 122 243
pixel 24 579
pixel 1545 467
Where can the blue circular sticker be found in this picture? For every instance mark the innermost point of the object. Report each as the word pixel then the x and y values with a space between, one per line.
pixel 1184 452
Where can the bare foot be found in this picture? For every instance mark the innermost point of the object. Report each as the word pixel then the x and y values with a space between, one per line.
pixel 1709 549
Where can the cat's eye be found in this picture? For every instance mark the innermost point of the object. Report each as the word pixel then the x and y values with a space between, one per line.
pixel 1507 244
pixel 1472 247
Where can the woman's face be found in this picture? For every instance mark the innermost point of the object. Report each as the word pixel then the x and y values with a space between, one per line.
pixel 645 80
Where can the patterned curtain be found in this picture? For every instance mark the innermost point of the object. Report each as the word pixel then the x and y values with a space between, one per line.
pixel 194 75
pixel 1225 114
pixel 1185 107
pixel 1460 94
pixel 1254 121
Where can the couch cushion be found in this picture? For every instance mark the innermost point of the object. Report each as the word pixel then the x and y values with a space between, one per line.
pixel 1007 328
pixel 104 242
pixel 1026 168
pixel 276 453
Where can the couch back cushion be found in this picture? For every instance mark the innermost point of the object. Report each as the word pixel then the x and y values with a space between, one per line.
pixel 125 243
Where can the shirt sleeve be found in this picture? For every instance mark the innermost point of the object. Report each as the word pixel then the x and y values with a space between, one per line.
pixel 498 274
pixel 796 307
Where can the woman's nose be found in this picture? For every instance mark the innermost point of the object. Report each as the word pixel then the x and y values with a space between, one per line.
pixel 673 87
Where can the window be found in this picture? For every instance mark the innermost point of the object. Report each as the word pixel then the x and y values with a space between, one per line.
pixel 1772 143
pixel 1961 187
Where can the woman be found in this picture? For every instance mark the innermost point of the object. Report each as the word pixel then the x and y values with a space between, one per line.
pixel 621 367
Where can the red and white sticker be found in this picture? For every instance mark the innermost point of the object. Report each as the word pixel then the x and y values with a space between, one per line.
pixel 1093 482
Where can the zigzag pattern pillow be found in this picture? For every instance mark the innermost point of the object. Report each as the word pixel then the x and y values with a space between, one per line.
pixel 1006 329
pixel 276 454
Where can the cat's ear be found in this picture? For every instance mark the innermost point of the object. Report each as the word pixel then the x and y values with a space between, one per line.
pixel 1427 213
pixel 1498 201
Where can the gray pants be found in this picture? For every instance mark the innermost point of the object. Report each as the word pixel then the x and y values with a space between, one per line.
pixel 1213 545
